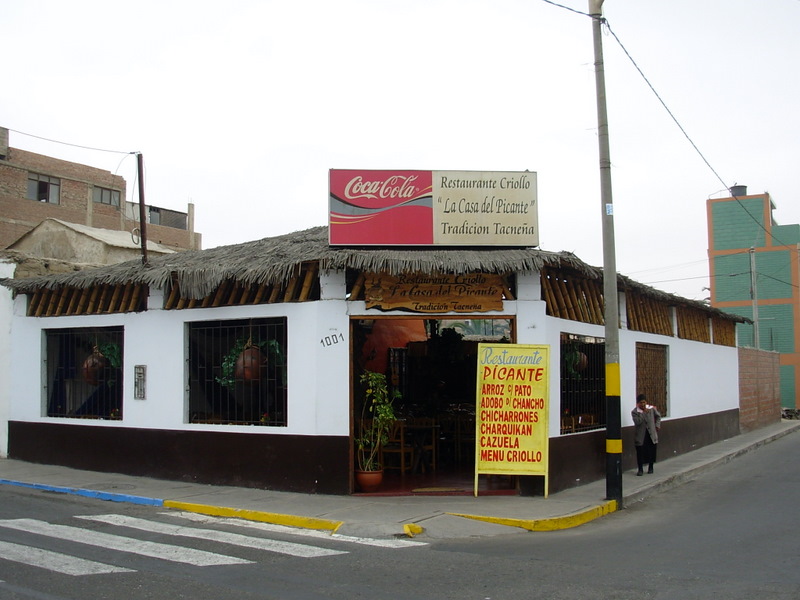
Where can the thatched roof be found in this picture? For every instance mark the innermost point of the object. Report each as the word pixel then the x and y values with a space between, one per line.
pixel 275 260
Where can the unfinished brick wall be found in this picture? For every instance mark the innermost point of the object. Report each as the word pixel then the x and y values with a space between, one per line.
pixel 18 214
pixel 759 388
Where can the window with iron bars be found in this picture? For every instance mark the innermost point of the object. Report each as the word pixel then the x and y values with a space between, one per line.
pixel 237 372
pixel 84 372
pixel 583 383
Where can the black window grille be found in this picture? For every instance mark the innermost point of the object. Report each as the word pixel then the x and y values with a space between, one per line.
pixel 583 383
pixel 84 372
pixel 237 372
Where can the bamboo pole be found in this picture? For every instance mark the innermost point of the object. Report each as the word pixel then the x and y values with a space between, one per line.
pixel 137 292
pixel 567 301
pixel 113 305
pixel 74 300
pixel 290 289
pixel 51 305
pixel 102 303
pixel 563 313
pixel 127 292
pixel 245 294
pixel 549 299
pixel 260 294
pixel 356 291
pixel 308 281
pixel 174 294
pixel 274 293
pixel 507 288
pixel 33 302
pixel 85 296
pixel 220 293
pixel 42 305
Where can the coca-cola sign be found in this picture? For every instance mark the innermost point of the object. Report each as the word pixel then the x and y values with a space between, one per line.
pixel 449 208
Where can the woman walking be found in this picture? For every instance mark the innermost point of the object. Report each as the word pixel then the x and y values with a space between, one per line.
pixel 647 420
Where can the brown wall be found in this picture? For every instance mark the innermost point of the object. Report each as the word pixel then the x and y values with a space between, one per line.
pixel 294 463
pixel 759 388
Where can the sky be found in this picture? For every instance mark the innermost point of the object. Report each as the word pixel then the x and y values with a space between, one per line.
pixel 242 107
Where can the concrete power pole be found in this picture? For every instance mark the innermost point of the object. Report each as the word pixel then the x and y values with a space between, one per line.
pixel 611 311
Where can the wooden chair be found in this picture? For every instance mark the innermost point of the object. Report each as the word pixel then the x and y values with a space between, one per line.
pixel 568 424
pixel 425 434
pixel 398 446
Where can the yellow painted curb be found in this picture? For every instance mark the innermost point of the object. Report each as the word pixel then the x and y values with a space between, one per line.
pixel 257 515
pixel 412 529
pixel 551 524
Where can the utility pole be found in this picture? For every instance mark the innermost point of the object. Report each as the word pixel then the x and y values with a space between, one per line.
pixel 754 297
pixel 611 310
pixel 142 210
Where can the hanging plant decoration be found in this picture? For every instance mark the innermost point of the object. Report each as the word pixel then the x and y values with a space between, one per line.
pixel 246 359
pixel 103 356
pixel 249 363
pixel 575 361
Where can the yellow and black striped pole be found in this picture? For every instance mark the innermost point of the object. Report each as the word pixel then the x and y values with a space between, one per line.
pixel 611 311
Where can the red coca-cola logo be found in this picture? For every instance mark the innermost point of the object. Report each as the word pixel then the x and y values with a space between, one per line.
pixel 395 186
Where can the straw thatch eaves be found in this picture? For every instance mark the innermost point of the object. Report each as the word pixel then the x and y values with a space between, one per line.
pixel 275 260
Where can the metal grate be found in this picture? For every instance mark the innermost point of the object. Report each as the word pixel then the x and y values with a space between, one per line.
pixel 237 372
pixel 84 372
pixel 583 383
pixel 651 374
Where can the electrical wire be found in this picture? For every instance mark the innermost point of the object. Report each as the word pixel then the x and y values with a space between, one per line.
pixel 38 137
pixel 605 23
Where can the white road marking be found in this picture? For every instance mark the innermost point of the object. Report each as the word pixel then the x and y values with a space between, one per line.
pixel 53 561
pixel 292 549
pixel 168 552
pixel 381 543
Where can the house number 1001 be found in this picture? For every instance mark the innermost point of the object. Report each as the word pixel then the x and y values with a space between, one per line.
pixel 330 340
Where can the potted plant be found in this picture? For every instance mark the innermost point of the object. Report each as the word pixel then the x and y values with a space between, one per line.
pixel 377 418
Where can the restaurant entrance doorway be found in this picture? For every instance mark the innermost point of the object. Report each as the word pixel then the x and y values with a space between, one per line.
pixel 431 362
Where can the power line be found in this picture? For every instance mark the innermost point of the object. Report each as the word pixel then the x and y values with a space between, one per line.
pixel 38 137
pixel 605 22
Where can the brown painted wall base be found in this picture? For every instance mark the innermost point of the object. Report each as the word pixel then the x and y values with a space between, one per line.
pixel 293 463
pixel 581 458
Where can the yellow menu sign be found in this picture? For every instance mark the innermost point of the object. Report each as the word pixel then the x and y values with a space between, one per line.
pixel 511 410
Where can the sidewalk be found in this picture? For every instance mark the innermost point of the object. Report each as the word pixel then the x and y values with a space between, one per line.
pixel 380 517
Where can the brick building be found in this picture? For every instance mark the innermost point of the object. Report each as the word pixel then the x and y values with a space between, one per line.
pixel 34 187
pixel 755 273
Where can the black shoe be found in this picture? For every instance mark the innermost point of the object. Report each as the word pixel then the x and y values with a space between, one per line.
pixel 639 473
pixel 650 471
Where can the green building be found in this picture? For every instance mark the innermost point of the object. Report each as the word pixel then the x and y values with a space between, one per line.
pixel 753 263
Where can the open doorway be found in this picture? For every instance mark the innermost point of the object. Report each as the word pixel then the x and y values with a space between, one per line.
pixel 432 363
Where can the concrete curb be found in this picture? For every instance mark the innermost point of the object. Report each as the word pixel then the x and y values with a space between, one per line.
pixel 257 515
pixel 216 511
pixel 552 523
pixel 98 495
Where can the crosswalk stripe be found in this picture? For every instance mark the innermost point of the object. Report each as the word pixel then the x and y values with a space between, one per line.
pixel 290 548
pixel 168 552
pixel 53 561
pixel 380 543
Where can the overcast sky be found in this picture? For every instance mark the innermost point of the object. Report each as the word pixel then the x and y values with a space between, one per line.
pixel 241 107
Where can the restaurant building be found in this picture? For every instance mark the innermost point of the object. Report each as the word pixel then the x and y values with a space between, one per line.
pixel 130 368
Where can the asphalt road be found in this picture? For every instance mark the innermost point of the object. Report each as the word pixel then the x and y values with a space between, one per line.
pixel 730 534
